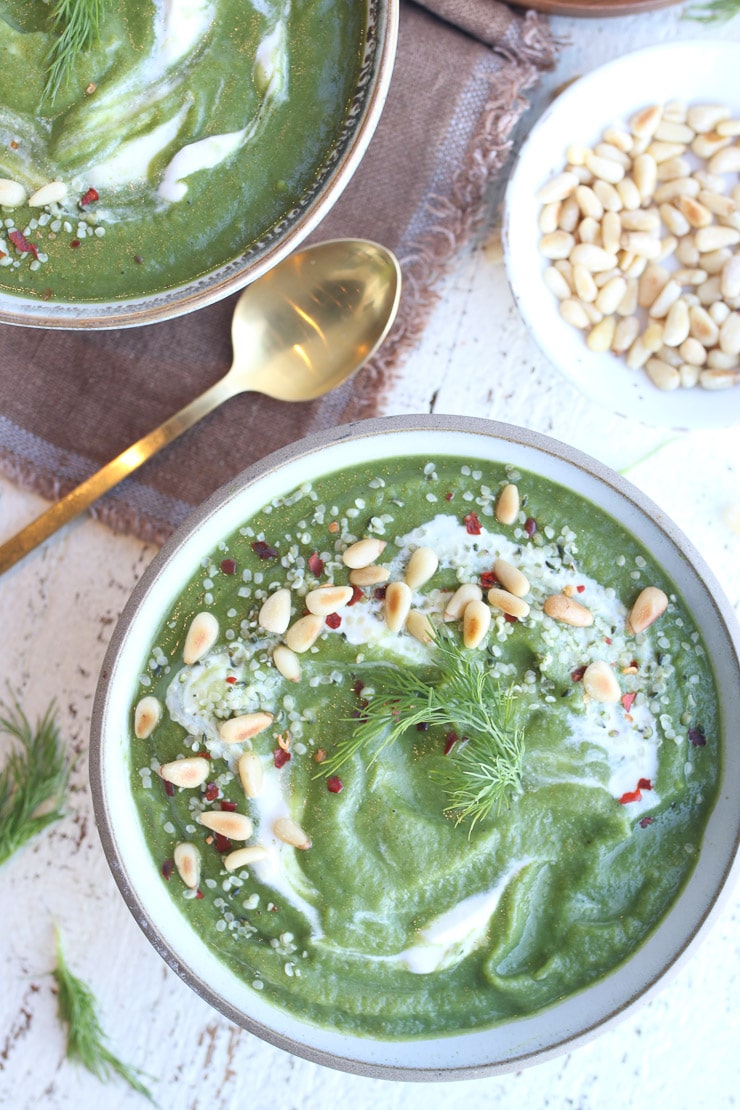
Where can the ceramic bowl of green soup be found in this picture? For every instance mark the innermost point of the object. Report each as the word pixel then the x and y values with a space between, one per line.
pixel 415 751
pixel 181 153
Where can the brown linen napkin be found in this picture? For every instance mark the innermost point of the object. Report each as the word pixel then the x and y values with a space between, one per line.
pixel 70 401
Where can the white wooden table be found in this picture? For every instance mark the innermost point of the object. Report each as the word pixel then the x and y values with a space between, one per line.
pixel 57 610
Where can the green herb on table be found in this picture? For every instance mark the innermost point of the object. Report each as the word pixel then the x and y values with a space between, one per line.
pixel 33 780
pixel 85 1038
pixel 461 694
pixel 716 11
pixel 77 26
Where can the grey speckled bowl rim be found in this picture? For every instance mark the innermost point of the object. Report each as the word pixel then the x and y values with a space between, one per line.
pixel 503 433
pixel 334 174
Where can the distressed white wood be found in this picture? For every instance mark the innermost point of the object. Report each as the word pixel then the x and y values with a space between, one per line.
pixel 57 610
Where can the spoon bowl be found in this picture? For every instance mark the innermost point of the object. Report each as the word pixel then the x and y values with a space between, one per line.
pixel 298 332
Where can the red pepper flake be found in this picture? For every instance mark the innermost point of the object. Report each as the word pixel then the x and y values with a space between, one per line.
pixel 356 595
pixel 231 679
pixel 449 495
pixel 628 701
pixel 630 796
pixel 530 526
pixel 472 524
pixel 334 784
pixel 22 244
pixel 316 564
pixel 167 867
pixel 644 784
pixel 228 807
pixel 228 566
pixel 263 550
pixel 379 593
pixel 74 244
pixel 169 788
pixel 202 754
pixel 89 197
pixel 450 740
pixel 580 589
pixel 280 757
pixel 357 687
pixel 645 821
pixel 222 843
pixel 211 792
pixel 488 579
pixel 199 893
pixel 333 620
pixel 607 639
pixel 578 673
pixel 697 737
pixel 510 619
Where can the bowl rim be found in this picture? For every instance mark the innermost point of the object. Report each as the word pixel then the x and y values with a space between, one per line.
pixel 602 376
pixel 503 434
pixel 334 174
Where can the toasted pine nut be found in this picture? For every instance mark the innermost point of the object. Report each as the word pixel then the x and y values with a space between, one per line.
pixel 419 626
pixel 507 505
pixel 476 622
pixel 186 858
pixel 508 603
pixel 242 857
pixel 568 611
pixel 201 636
pixel 238 729
pixel 286 662
pixel 370 576
pixel 250 774
pixel 600 683
pixel 363 552
pixel 304 633
pixel 274 616
pixel 462 597
pixel 511 578
pixel 421 566
pixel 646 122
pixel 287 830
pixel 397 605
pixel 650 604
pixel 697 215
pixel 327 599
pixel 147 716
pixel 650 284
pixel 236 826
pixel 189 772
pixel 703 326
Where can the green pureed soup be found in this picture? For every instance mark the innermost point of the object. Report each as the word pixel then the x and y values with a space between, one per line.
pixel 178 140
pixel 442 751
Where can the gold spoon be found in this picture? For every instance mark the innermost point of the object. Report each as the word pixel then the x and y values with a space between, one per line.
pixel 298 331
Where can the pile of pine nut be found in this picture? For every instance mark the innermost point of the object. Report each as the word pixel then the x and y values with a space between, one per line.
pixel 641 233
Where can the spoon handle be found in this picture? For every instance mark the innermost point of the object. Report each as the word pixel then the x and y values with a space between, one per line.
pixel 80 498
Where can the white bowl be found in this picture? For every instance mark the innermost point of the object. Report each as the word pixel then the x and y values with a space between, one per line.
pixel 338 163
pixel 508 1046
pixel 695 72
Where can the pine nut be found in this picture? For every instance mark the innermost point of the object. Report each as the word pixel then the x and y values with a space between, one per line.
pixel 618 137
pixel 574 313
pixel 549 216
pixel 363 553
pixel 676 324
pixel 625 334
pixel 638 354
pixel 186 858
pixel 652 337
pixel 628 303
pixel 558 286
pixel 719 312
pixel 370 576
pixel 689 374
pixel 328 599
pixel 675 111
pixel 243 857
pixel 588 202
pixel 661 152
pixel 147 716
pixel 569 216
pixel 238 729
pixel 604 168
pixel 703 326
pixel 714 238
pixel 601 337
pixel 696 214
pixel 713 262
pixel 421 566
pixel 650 604
pixel 600 683
pixel 585 286
pixel 690 277
pixel 397 605
pixel 705 117
pixel 507 505
pixel 730 280
pixel 606 149
pixel 674 220
pixel 728 127
pixel 250 774
pixel 673 168
pixel 589 231
pixel 419 626
pixel 692 352
pixel 717 203
pixel 51 193
pixel 729 335
pixel 668 295
pixel 286 662
pixel 557 188
pixel 568 611
pixel 12 193
pixel 476 622
pixel 462 597
pixel 235 826
pixel 610 296
pixel 651 283
pixel 645 219
pixel 304 633
pixel 287 830
pixel 511 578
pixel 508 603
pixel 200 638
pixel 709 291
pixel 592 257
pixel 646 122
pixel 725 161
pixel 189 772
pixel 611 196
pixel 675 190
pixel 274 616
pixel 663 375
pixel 642 243
pixel 709 144
pixel 718 379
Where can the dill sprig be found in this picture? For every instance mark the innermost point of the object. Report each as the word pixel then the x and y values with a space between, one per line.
pixel 85 1039
pixel 716 11
pixel 461 694
pixel 33 780
pixel 77 25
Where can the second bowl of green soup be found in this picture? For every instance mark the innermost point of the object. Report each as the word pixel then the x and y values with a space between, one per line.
pixel 183 152
pixel 415 751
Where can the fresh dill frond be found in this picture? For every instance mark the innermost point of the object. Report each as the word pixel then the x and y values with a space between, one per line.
pixel 716 11
pixel 462 694
pixel 76 1005
pixel 33 780
pixel 77 25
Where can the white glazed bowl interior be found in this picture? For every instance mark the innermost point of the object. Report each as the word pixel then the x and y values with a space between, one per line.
pixel 518 1042
pixel 696 72
pixel 340 163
